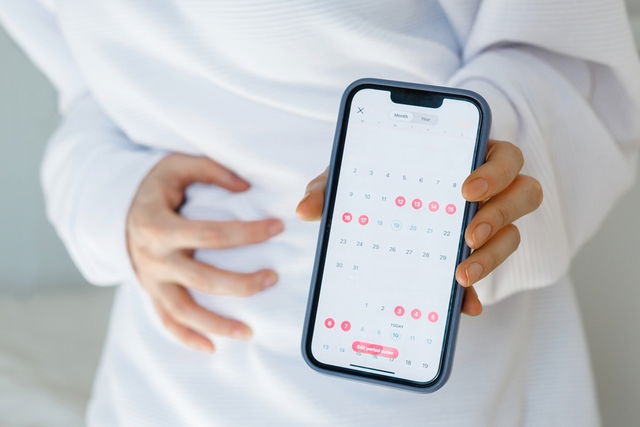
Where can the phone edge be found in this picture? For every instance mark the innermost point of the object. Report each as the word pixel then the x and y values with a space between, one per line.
pixel 479 156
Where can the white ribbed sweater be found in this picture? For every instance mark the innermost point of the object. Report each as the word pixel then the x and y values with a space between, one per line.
pixel 256 86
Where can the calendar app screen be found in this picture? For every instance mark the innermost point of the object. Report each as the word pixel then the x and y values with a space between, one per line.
pixel 395 234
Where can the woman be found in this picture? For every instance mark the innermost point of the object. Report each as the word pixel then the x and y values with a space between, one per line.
pixel 163 100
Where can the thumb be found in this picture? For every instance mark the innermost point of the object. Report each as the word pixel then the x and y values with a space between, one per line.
pixel 310 207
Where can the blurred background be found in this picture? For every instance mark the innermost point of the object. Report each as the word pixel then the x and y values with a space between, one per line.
pixel 52 323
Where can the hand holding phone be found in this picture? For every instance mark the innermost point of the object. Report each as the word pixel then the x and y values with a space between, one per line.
pixel 511 195
pixel 405 160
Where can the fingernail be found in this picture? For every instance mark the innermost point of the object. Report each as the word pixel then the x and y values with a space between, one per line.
pixel 270 279
pixel 481 233
pixel 275 227
pixel 205 347
pixel 477 188
pixel 474 270
pixel 461 278
pixel 235 177
pixel 241 332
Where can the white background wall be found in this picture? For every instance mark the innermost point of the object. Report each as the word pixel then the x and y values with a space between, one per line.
pixel 33 261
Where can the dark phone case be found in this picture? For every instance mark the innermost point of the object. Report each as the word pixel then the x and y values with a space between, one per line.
pixel 453 314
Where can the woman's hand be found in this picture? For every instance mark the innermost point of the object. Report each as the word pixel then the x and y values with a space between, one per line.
pixel 504 195
pixel 161 245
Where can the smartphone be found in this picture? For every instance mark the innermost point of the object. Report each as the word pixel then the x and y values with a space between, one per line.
pixel 384 304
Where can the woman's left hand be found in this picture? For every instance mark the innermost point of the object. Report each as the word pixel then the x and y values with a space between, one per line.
pixel 504 195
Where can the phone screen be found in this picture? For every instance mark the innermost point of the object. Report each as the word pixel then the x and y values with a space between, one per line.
pixel 395 233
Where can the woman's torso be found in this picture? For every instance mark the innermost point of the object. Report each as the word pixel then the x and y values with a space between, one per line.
pixel 256 86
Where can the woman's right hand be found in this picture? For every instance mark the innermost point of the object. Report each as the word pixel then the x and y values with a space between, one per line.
pixel 161 244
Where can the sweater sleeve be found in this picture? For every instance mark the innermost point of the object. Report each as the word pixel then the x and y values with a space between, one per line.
pixel 563 84
pixel 91 169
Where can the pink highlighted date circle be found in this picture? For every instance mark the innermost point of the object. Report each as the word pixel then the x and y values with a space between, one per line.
pixel 434 206
pixel 401 201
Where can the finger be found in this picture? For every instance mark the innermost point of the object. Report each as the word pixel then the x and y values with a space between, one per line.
pixel 183 170
pixel 194 234
pixel 179 303
pixel 524 195
pixel 310 207
pixel 484 260
pixel 216 281
pixel 504 161
pixel 184 334
pixel 471 304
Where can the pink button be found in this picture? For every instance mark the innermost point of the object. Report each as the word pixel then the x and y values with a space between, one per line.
pixel 416 203
pixel 389 352
pixel 329 322
pixel 363 220
pixel 416 313
pixel 401 201
pixel 399 310
pixel 433 317
pixel 345 326
pixel 346 217
pixel 434 206
pixel 450 209
pixel 374 349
